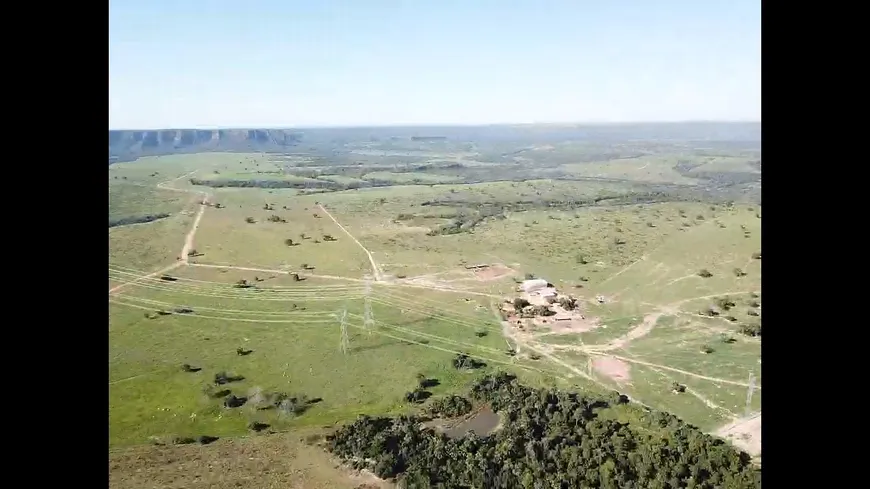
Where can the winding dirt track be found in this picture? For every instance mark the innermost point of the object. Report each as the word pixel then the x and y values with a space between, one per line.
pixel 188 241
pixel 375 269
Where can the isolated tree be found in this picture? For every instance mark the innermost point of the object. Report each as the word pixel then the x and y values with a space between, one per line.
pixel 739 273
pixel 288 242
pixel 520 303
pixel 725 303
pixel 756 255
pixel 568 303
pixel 751 329
pixel 250 220
pixel 704 273
pixel 678 388
pixel 707 349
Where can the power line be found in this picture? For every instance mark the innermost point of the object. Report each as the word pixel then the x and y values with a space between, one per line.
pixel 749 392
pixel 344 343
pixel 369 321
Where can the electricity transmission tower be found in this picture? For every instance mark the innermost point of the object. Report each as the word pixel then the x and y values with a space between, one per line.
pixel 344 340
pixel 749 392
pixel 369 320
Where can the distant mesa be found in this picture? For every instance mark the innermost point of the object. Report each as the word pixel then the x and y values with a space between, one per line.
pixel 127 145
pixel 428 138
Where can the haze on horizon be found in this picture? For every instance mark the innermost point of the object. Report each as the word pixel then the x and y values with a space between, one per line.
pixel 274 63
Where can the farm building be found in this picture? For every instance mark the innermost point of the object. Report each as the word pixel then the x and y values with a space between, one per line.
pixel 533 285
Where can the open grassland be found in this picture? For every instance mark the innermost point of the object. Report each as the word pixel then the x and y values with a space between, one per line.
pixel 148 246
pixel 647 169
pixel 228 236
pixel 427 305
pixel 131 199
pixel 294 335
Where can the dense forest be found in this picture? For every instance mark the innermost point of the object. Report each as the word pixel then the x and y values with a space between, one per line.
pixel 549 439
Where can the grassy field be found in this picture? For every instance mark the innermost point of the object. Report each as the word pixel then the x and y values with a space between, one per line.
pixel 294 334
pixel 644 259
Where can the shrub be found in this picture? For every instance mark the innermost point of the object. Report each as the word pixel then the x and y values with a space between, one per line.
pixel 450 407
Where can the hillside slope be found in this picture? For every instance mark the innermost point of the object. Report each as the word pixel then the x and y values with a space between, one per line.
pixel 128 145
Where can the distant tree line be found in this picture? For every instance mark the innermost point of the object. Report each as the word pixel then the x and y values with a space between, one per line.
pixel 136 219
pixel 549 439
pixel 316 184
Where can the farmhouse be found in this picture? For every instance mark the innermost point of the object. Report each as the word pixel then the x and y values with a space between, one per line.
pixel 534 285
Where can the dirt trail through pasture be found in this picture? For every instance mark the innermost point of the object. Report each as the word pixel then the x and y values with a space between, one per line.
pixel 672 369
pixel 352 279
pixel 145 277
pixel 639 331
pixel 377 271
pixel 188 241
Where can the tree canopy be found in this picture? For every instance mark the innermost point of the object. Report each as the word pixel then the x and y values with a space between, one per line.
pixel 549 439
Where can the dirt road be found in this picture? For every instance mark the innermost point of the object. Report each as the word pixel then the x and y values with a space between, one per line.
pixel 188 240
pixel 375 270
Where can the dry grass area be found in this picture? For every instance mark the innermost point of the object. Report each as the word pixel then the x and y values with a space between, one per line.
pixel 744 434
pixel 274 461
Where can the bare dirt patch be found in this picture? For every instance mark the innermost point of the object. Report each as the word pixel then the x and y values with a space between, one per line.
pixel 744 433
pixel 639 331
pixel 612 368
pixel 559 324
pixel 493 272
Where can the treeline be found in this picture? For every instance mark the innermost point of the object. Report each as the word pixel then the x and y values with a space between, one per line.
pixel 356 171
pixel 313 184
pixel 473 213
pixel 549 439
pixel 124 221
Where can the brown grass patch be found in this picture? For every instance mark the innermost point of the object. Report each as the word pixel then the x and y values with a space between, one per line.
pixel 613 368
pixel 279 460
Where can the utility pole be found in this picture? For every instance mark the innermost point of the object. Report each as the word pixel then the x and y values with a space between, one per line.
pixel 344 340
pixel 749 392
pixel 369 320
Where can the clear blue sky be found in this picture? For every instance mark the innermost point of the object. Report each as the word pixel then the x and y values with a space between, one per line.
pixel 285 63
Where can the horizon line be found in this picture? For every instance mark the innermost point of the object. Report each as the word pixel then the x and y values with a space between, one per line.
pixel 438 125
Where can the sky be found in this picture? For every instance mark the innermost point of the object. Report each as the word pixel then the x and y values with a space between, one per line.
pixel 289 63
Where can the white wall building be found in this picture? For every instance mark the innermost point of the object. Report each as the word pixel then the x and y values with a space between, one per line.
pixel 533 285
